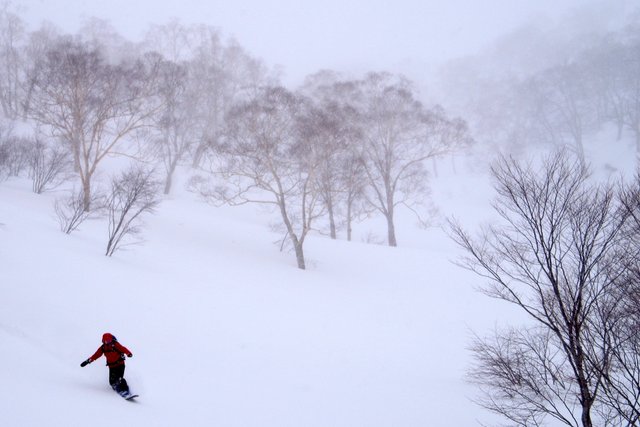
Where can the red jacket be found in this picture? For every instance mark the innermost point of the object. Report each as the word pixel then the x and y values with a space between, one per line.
pixel 113 351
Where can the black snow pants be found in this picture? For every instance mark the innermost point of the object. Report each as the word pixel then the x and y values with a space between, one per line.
pixel 116 378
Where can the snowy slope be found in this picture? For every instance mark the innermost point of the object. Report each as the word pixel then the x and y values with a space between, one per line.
pixel 226 331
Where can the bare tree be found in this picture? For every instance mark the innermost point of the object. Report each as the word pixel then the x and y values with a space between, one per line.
pixel 49 166
pixel 606 62
pixel 334 125
pixel 569 93
pixel 100 34
pixel 620 315
pixel 12 60
pixel 19 155
pixel 399 134
pixel 631 95
pixel 324 129
pixel 353 181
pixel 561 105
pixel 173 40
pixel 133 193
pixel 91 104
pixel 7 152
pixel 552 256
pixel 70 211
pixel 175 126
pixel 620 318
pixel 265 159
pixel 222 75
pixel 38 45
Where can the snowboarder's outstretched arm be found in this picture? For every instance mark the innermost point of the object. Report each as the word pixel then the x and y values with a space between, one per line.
pixel 93 358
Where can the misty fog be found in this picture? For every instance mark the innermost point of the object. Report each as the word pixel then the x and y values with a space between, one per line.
pixel 329 116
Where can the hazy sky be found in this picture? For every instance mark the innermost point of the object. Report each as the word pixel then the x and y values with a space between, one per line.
pixel 304 36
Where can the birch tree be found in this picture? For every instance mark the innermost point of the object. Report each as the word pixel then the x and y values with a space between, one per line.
pixel 399 135
pixel 12 61
pixel 335 127
pixel 174 130
pixel 90 104
pixel 264 159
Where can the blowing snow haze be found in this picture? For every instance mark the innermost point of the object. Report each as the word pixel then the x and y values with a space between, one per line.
pixel 302 37
pixel 166 165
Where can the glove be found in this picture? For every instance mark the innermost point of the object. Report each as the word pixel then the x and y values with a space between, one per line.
pixel 85 363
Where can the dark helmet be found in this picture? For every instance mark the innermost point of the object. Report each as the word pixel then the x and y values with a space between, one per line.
pixel 107 338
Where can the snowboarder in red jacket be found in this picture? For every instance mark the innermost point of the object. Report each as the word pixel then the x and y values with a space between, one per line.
pixel 114 352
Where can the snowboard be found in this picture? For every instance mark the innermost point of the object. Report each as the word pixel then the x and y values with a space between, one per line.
pixel 127 395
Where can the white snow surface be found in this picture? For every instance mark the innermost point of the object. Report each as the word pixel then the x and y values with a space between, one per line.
pixel 226 331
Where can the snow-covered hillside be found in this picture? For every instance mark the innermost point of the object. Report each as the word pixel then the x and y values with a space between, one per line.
pixel 226 331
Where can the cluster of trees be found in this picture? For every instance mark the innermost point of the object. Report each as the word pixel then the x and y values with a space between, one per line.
pixel 336 147
pixel 90 97
pixel 93 96
pixel 557 95
pixel 566 252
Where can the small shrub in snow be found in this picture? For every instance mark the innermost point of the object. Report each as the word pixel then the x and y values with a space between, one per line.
pixel 133 193
pixel 372 238
pixel 70 211
pixel 14 156
pixel 4 161
pixel 49 166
